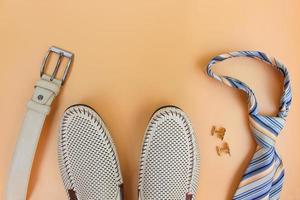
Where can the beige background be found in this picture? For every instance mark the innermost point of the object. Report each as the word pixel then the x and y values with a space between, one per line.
pixel 134 56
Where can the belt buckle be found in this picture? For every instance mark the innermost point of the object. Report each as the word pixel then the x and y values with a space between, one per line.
pixel 62 53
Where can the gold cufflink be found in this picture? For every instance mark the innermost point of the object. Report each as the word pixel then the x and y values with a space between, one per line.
pixel 223 149
pixel 220 132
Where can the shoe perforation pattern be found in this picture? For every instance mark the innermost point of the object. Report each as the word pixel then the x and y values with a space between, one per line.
pixel 87 156
pixel 169 166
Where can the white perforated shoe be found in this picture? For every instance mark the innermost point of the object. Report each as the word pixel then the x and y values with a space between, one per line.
pixel 87 157
pixel 169 166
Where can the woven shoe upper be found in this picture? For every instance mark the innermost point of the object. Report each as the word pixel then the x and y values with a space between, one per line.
pixel 169 167
pixel 87 157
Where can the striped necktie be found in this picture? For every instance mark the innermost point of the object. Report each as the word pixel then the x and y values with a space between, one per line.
pixel 263 178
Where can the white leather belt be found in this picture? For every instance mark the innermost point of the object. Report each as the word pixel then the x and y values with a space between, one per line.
pixel 46 89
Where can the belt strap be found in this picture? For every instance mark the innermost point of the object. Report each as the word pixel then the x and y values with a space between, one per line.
pixel 46 89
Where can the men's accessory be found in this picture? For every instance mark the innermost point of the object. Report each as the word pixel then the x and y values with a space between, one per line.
pixel 223 149
pixel 263 178
pixel 46 89
pixel 87 156
pixel 220 132
pixel 169 165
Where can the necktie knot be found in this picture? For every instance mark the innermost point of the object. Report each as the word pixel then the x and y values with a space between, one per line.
pixel 266 129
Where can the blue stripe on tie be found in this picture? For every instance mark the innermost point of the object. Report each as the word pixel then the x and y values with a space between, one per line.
pixel 259 169
pixel 264 123
pixel 260 191
pixel 268 152
pixel 259 177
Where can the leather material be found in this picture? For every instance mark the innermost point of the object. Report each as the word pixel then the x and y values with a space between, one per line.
pixel 38 108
